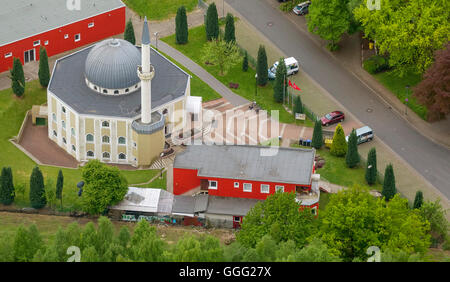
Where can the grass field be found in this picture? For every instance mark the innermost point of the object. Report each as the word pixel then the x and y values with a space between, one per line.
pixel 12 113
pixel 397 85
pixel 158 9
pixel 246 80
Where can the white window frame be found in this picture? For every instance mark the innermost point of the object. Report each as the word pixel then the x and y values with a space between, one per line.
pixel 279 187
pixel 72 130
pixel 54 117
pixel 90 157
pixel 108 158
pixel 91 25
pixel 36 43
pixel 79 37
pixel 247 184
pixel 213 187
pixel 64 140
pixel 109 139
pixel 121 144
pixel 7 55
pixel 118 157
pixel 266 186
pixel 93 138
pixel 46 42
pixel 63 109
pixel 105 126
pixel 236 184
pixel 66 36
pixel 63 124
pixel 74 148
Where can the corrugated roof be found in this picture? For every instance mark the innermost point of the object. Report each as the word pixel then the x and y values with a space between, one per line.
pixel 287 165
pixel 24 18
pixel 146 200
pixel 230 205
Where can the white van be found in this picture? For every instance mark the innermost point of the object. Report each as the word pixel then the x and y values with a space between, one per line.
pixel 364 134
pixel 291 67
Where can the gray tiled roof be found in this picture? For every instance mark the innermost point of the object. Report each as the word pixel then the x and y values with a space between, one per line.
pixel 230 205
pixel 23 18
pixel 68 84
pixel 288 165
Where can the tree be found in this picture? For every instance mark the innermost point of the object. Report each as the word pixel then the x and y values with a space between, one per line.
pixel 279 89
pixel 104 186
pixel 317 139
pixel 278 216
pixel 212 22
pixel 406 31
pixel 433 213
pixel 37 189
pixel 181 26
pixel 26 243
pixel 229 29
pixel 316 251
pixel 224 54
pixel 17 78
pixel 261 66
pixel 50 193
pixel 371 169
pixel 389 189
pixel 329 19
pixel 339 145
pixel 352 156
pixel 44 70
pixel 6 187
pixel 129 33
pixel 245 62
pixel 298 105
pixel 59 186
pixel 418 200
pixel 433 90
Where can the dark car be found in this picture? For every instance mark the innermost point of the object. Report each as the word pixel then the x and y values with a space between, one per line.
pixel 333 117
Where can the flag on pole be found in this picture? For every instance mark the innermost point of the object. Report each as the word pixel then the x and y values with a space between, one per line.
pixel 294 86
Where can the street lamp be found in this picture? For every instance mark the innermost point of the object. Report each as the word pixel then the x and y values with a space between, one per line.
pixel 406 99
pixel 256 86
pixel 156 35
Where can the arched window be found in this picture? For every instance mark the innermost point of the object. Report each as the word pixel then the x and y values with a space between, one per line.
pixel 105 139
pixel 165 111
pixel 90 138
pixel 90 154
pixel 105 155
pixel 54 133
pixel 63 123
pixel 54 117
pixel 95 87
pixel 73 148
pixel 122 140
pixel 63 109
pixel 64 140
pixel 116 91
pixel 122 156
pixel 105 91
pixel 105 124
pixel 126 90
pixel 72 130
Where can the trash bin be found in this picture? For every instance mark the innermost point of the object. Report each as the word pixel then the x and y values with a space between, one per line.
pixel 308 143
pixel 300 142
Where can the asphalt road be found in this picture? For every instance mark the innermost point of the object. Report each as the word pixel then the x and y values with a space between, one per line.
pixel 428 158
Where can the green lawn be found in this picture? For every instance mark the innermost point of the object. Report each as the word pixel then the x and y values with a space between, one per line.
pixel 397 85
pixel 158 9
pixel 12 113
pixel 159 182
pixel 246 80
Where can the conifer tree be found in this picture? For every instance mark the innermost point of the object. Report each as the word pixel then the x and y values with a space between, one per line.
pixel 389 189
pixel 418 200
pixel 371 169
pixel 352 156
pixel 229 29
pixel 317 139
pixel 212 22
pixel 37 190
pixel 6 186
pixel 17 78
pixel 59 186
pixel 245 62
pixel 129 33
pixel 261 66
pixel 181 26
pixel 298 105
pixel 44 70
pixel 279 88
pixel 339 145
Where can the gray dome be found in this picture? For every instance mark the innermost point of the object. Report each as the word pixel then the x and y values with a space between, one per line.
pixel 112 64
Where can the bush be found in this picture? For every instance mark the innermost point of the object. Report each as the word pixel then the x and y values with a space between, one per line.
pixel 375 64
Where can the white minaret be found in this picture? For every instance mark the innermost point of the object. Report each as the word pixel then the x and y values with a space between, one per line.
pixel 146 73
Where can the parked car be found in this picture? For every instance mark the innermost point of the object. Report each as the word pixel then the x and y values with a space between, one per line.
pixel 302 8
pixel 291 67
pixel 364 134
pixel 333 117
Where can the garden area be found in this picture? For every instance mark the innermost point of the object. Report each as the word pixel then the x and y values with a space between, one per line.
pixel 159 10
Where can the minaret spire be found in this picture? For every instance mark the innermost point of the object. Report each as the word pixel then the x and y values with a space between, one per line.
pixel 146 73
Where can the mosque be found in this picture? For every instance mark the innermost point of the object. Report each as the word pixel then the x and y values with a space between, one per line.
pixel 117 102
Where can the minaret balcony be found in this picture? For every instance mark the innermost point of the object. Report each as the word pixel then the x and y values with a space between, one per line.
pixel 146 75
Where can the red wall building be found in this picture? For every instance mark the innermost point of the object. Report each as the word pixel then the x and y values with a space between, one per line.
pixel 63 38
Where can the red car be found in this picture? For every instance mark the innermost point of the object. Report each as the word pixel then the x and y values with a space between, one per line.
pixel 333 117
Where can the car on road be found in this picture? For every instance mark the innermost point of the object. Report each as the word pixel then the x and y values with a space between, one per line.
pixel 364 134
pixel 333 117
pixel 302 8
pixel 292 67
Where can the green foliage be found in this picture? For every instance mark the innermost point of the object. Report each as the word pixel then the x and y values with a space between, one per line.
pixel 26 243
pixel 17 78
pixel 375 64
pixel 298 105
pixel 159 10
pixel 389 189
pixel 316 251
pixel 229 29
pixel 279 88
pixel 261 66
pixel 181 26
pixel 104 186
pixel 44 70
pixel 317 139
pixel 50 193
pixel 352 156
pixel 245 62
pixel 59 186
pixel 418 200
pixel 212 22
pixel 7 193
pixel 329 19
pixel 224 54
pixel 339 145
pixel 191 249
pixel 371 169
pixel 37 189
pixel 436 216
pixel 278 216
pixel 129 33
pixel 288 5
